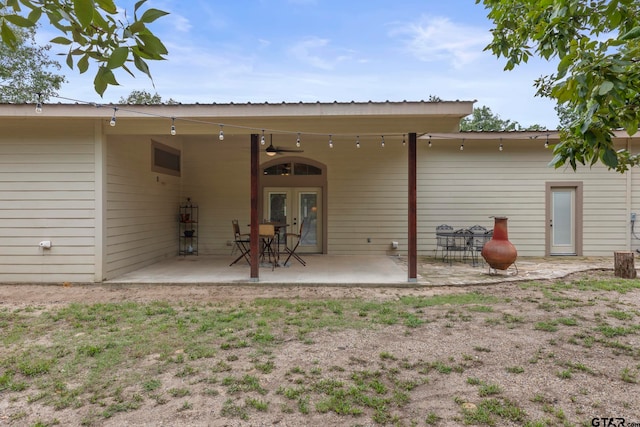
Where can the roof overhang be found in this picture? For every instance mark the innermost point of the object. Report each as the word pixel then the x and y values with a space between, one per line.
pixel 322 118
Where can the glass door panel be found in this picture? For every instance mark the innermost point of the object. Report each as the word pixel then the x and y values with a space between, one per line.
pixel 562 221
pixel 309 210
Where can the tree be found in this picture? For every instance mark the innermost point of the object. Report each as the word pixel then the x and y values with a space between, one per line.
pixel 94 31
pixel 597 45
pixel 143 97
pixel 483 119
pixel 26 70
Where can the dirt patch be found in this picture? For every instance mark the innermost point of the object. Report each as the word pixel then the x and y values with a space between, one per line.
pixel 538 348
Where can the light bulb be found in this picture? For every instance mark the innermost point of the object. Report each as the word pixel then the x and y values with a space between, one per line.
pixel 546 145
pixel 262 141
pixel 221 135
pixel 357 142
pixel 39 104
pixel 298 141
pixel 382 142
pixel 501 147
pixel 404 141
pixel 330 142
pixel 173 126
pixel 429 143
pixel 461 147
pixel 113 118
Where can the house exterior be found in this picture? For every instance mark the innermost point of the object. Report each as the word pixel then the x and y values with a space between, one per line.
pixel 106 198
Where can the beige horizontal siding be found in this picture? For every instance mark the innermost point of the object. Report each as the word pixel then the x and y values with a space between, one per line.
pixel 141 207
pixel 512 183
pixel 47 193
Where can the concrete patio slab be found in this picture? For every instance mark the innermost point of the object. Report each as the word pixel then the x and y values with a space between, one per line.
pixel 357 270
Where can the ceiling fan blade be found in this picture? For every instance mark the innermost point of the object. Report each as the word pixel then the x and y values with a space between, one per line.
pixel 272 151
pixel 288 150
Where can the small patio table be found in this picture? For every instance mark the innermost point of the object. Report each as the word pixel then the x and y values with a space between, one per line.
pixel 463 241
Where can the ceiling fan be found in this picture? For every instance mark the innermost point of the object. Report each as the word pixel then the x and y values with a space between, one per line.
pixel 272 151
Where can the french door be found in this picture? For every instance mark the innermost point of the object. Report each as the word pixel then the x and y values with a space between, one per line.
pixel 292 205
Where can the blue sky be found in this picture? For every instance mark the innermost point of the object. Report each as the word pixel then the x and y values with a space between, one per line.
pixel 329 50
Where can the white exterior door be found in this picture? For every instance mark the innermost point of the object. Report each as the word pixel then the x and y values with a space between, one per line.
pixel 292 205
pixel 562 223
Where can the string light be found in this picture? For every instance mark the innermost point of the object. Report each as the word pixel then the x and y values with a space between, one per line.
pixel 404 141
pixel 39 103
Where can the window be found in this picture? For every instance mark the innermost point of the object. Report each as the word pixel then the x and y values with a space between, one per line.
pixel 165 159
pixel 298 169
pixel 304 169
pixel 280 169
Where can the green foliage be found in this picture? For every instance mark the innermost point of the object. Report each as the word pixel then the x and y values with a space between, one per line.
pixel 596 44
pixel 142 97
pixel 26 70
pixel 483 119
pixel 93 31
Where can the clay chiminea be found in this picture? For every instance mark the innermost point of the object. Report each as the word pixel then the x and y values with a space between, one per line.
pixel 499 252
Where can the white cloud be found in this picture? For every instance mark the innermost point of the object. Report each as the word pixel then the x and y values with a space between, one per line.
pixel 439 39
pixel 180 23
pixel 309 51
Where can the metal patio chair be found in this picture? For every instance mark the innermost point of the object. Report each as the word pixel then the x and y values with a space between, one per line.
pixel 442 240
pixel 241 243
pixel 477 240
pixel 292 251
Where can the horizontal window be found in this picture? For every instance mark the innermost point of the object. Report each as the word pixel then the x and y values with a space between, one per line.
pixel 165 159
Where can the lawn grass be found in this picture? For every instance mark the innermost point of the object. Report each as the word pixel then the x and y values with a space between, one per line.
pixel 106 359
